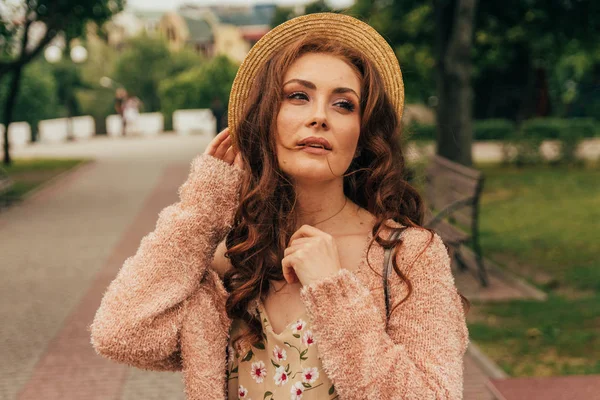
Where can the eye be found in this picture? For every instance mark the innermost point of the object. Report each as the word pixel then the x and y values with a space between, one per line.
pixel 298 96
pixel 348 105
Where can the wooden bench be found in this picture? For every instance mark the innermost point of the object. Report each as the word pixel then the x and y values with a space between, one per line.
pixel 5 185
pixel 452 193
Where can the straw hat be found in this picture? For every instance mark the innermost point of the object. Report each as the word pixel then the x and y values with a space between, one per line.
pixel 342 28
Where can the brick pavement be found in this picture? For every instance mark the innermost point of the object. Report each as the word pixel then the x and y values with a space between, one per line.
pixel 59 252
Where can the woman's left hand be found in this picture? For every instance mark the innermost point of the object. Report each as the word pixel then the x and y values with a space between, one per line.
pixel 311 256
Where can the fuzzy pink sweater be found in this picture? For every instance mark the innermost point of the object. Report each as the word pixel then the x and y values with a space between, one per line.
pixel 165 310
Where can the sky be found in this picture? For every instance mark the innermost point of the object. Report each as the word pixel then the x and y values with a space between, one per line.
pixel 173 4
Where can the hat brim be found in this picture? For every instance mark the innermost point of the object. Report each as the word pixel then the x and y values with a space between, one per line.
pixel 342 28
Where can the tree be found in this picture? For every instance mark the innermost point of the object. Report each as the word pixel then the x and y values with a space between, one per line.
pixel 37 99
pixel 523 52
pixel 199 86
pixel 57 16
pixel 151 55
pixel 454 22
pixel 411 26
pixel 283 14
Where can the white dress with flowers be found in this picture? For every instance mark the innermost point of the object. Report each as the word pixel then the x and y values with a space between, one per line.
pixel 282 366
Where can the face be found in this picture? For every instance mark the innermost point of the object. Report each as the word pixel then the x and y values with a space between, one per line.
pixel 318 124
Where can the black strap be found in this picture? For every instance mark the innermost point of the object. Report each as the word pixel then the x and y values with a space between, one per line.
pixel 387 267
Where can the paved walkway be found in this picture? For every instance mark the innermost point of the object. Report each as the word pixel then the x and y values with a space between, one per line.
pixel 61 248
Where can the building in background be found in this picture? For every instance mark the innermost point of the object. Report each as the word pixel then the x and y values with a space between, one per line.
pixel 214 30
pixel 208 30
pixel 131 23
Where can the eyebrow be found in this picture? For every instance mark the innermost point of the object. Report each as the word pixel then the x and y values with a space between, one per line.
pixel 312 86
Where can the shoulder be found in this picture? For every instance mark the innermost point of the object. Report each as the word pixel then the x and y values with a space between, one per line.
pixel 422 251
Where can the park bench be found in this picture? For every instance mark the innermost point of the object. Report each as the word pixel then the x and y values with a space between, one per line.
pixel 452 193
pixel 5 185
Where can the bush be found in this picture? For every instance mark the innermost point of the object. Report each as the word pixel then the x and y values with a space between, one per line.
pixel 569 132
pixel 493 129
pixel 146 63
pixel 198 87
pixel 420 132
pixel 556 128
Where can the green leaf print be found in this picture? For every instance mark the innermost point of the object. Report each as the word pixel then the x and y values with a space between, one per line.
pixel 267 394
pixel 287 369
pixel 331 390
pixel 259 345
pixel 296 336
pixel 274 364
pixel 233 371
pixel 248 356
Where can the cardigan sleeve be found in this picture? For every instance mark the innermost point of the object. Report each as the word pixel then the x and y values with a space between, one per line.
pixel 141 314
pixel 419 355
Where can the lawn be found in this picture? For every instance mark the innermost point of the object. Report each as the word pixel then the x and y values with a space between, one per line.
pixel 543 223
pixel 27 174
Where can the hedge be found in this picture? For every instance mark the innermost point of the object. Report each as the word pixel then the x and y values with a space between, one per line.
pixel 501 129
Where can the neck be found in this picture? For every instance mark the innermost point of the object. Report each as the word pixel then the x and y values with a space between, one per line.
pixel 321 205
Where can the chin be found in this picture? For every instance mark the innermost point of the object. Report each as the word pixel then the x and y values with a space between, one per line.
pixel 303 167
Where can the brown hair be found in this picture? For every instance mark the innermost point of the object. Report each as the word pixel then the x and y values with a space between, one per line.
pixel 265 219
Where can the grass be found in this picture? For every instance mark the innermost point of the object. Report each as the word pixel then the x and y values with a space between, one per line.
pixel 543 223
pixel 27 174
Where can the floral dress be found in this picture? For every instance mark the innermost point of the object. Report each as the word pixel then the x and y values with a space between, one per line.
pixel 281 366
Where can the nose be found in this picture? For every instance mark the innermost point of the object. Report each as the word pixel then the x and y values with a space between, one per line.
pixel 319 117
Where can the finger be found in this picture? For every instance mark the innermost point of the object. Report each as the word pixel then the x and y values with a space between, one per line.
pixel 307 231
pixel 229 155
pixel 238 160
pixel 291 250
pixel 300 241
pixel 222 149
pixel 288 271
pixel 217 140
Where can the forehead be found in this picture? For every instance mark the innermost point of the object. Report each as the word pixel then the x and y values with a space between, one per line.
pixel 324 70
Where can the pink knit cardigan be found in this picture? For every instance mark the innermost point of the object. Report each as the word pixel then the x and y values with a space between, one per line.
pixel 165 310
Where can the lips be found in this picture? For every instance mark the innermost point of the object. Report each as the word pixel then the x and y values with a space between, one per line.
pixel 315 142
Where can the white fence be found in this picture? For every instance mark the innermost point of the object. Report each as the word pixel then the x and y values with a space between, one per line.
pixel 199 121
pixel 146 124
pixel 57 130
pixel 19 134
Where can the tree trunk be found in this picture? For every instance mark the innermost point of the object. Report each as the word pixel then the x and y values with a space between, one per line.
pixel 454 19
pixel 8 110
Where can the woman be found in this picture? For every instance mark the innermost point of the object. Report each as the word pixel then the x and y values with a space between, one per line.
pixel 306 189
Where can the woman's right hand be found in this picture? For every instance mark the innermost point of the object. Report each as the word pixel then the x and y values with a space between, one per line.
pixel 221 147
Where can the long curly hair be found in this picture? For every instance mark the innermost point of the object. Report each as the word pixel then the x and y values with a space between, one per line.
pixel 266 218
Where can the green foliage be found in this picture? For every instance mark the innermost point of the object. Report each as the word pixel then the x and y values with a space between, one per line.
pixel 318 6
pixel 199 86
pixel 421 132
pixel 493 129
pixel 95 100
pixel 146 63
pixel 281 15
pixel 557 128
pixel 141 68
pixel 37 99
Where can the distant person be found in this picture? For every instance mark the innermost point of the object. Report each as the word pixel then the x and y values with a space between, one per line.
pixel 218 110
pixel 120 99
pixel 131 111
